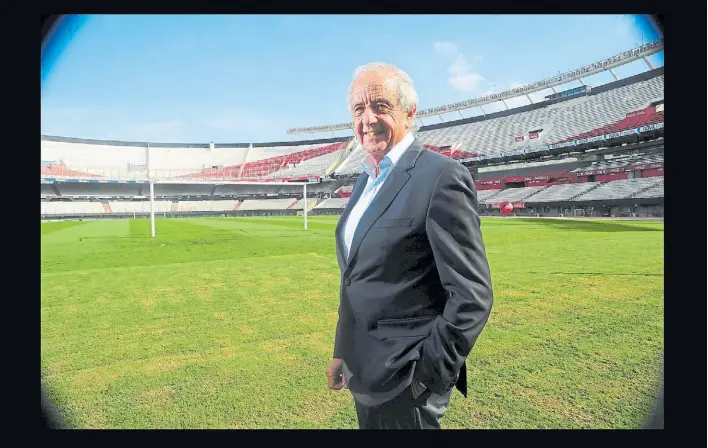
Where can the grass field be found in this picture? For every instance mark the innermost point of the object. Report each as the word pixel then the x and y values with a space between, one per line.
pixel 229 323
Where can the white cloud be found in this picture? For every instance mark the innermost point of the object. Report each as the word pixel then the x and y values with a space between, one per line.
pixel 462 76
pixel 466 82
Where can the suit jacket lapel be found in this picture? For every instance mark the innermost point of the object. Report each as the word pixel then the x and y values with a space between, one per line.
pixel 339 230
pixel 396 180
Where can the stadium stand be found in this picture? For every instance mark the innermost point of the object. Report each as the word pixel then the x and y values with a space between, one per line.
pixel 333 203
pixel 206 206
pixel 655 191
pixel 562 121
pixel 306 163
pixel 619 189
pixel 267 204
pixel 624 176
pixel 76 189
pixel 245 189
pixel 483 195
pixel 614 110
pixel 300 204
pixel 170 190
pixel 278 162
pixel 63 171
pixel 73 207
pixel 180 161
pixel 344 191
pixel 139 206
pixel 512 194
pixel 47 191
pixel 560 193
pixel 92 159
pixel 624 161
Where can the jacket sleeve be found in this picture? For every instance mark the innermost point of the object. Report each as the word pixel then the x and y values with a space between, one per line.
pixel 338 340
pixel 453 229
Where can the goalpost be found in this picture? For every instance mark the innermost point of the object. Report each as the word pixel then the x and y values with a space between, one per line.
pixel 218 183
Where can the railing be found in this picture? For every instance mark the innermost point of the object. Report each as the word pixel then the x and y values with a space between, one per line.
pixel 253 171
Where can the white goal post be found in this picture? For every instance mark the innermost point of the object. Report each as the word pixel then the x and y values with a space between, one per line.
pixel 218 183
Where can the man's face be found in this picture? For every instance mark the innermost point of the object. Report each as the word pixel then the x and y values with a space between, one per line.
pixel 379 120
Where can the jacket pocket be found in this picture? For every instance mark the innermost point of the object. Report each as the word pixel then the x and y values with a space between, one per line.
pixel 404 327
pixel 394 222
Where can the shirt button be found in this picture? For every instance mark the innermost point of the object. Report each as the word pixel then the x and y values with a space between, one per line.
pixel 347 282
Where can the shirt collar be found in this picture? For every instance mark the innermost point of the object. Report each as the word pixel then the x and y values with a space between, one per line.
pixel 389 160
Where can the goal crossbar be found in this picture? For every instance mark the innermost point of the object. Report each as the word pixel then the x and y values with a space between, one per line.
pixel 218 183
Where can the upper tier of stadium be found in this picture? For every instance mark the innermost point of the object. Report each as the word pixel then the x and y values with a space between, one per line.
pixel 630 104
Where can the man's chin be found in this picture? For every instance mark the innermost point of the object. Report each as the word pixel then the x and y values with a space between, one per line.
pixel 374 149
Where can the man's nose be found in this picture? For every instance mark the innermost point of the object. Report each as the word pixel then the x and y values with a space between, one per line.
pixel 369 117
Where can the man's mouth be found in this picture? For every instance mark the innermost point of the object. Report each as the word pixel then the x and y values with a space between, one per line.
pixel 372 133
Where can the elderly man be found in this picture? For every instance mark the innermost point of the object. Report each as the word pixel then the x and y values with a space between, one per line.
pixel 415 284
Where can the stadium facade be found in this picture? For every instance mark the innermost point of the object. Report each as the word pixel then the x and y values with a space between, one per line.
pixel 583 151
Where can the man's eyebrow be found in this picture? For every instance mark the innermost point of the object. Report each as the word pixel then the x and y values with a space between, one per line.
pixel 374 99
pixel 381 100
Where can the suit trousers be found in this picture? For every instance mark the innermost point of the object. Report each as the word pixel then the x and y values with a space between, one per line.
pixel 405 412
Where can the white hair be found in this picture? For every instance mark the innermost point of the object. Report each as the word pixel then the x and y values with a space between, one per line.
pixel 398 79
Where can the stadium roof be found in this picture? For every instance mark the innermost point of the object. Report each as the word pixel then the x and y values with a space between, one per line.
pixel 625 57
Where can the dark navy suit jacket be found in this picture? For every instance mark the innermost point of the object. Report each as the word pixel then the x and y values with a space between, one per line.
pixel 416 290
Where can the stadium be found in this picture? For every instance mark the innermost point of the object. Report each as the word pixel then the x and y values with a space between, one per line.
pixel 161 250
pixel 605 161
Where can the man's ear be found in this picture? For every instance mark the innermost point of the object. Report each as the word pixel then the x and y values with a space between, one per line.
pixel 410 115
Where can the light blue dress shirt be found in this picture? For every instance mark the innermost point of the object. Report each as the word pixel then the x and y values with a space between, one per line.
pixel 373 185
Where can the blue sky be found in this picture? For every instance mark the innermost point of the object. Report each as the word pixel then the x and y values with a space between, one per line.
pixel 250 78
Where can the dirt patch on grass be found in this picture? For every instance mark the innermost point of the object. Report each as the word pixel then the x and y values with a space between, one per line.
pixel 166 364
pixel 319 342
pixel 274 346
pixel 159 397
pixel 320 407
pixel 310 320
pixel 93 378
pixel 54 369
pixel 282 350
pixel 556 405
pixel 227 352
pixel 206 292
pixel 95 419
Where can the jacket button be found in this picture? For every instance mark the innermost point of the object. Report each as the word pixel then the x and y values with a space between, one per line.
pixel 347 282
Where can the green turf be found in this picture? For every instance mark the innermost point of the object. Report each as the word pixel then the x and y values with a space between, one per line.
pixel 229 323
